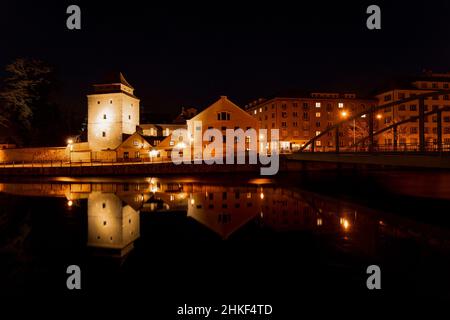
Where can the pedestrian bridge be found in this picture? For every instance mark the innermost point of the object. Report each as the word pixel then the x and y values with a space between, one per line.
pixel 365 150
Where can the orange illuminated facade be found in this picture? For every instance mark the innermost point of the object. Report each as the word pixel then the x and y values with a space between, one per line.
pixel 408 134
pixel 300 118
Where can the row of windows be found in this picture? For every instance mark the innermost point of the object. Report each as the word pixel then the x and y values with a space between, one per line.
pixel 412 107
pixel 426 119
pixel 105 117
pixel 111 102
pixel 434 85
pixel 237 195
pixel 306 105
pixel 305 115
pixel 402 95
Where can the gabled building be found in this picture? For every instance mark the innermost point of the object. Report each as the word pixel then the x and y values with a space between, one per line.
pixel 222 115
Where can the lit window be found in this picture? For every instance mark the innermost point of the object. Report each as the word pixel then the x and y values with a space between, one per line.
pixel 340 105
pixel 317 114
pixel 317 133
pixel 317 104
pixel 318 143
pixel 260 109
pixel 255 112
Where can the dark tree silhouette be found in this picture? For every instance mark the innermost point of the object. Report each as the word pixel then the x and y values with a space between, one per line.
pixel 26 108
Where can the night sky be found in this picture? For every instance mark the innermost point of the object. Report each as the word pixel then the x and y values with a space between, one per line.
pixel 189 55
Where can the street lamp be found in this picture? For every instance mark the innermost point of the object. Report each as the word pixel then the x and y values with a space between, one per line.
pixel 344 115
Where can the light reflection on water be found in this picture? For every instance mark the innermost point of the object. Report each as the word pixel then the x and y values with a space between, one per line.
pixel 114 211
pixel 147 229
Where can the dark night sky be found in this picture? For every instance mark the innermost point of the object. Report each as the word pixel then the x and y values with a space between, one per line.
pixel 189 55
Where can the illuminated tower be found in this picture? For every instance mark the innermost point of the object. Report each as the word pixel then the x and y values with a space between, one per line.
pixel 113 110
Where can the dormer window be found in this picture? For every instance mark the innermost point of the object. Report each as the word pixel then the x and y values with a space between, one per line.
pixel 104 116
pixel 110 101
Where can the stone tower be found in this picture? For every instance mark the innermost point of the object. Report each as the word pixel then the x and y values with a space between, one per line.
pixel 113 110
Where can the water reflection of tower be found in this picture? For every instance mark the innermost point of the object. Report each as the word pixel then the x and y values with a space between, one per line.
pixel 111 224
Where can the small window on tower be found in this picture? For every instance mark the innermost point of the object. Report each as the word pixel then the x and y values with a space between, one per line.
pixel 129 117
pixel 98 102
pixel 104 116
pixel 103 134
pixel 110 101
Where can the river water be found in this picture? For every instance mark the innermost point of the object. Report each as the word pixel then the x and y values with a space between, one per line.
pixel 314 234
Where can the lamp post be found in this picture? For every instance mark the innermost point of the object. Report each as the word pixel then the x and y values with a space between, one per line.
pixel 379 116
pixel 344 115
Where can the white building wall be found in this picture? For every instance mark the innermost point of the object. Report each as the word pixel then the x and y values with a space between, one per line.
pixel 109 116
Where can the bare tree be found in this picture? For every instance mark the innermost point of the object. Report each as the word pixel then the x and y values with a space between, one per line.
pixel 360 131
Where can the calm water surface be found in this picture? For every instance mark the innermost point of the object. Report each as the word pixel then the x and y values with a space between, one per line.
pixel 255 237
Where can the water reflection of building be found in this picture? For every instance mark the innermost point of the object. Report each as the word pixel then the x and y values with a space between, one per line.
pixel 221 209
pixel 114 211
pixel 112 224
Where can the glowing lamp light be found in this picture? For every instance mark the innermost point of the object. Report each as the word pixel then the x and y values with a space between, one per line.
pixel 344 114
pixel 261 195
pixel 181 145
pixel 153 153
pixel 69 203
pixel 69 141
pixel 379 116
pixel 345 224
pixel 192 201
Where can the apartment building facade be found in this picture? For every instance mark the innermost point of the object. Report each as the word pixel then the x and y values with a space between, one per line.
pixel 301 117
pixel 408 134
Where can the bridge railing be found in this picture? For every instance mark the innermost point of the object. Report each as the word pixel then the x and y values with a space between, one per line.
pixel 400 148
pixel 312 146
